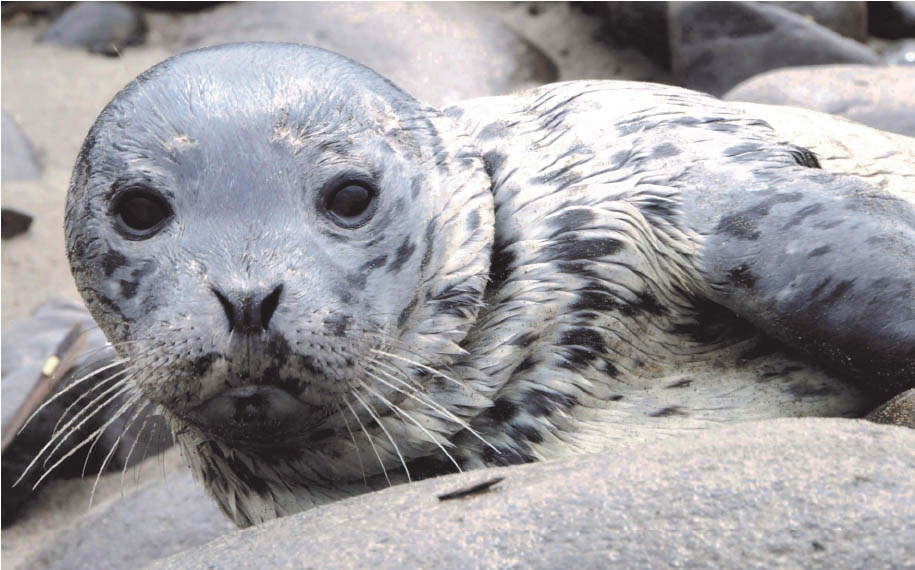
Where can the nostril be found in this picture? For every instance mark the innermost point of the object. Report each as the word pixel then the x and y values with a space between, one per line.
pixel 269 305
pixel 249 312
pixel 227 307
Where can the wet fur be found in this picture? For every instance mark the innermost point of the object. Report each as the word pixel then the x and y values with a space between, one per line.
pixel 571 269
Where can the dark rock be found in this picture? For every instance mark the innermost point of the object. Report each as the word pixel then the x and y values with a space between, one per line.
pixel 179 7
pixel 18 157
pixel 891 20
pixel 638 25
pixel 13 222
pixel 790 493
pixel 438 53
pixel 899 52
pixel 847 19
pixel 31 11
pixel 899 411
pixel 161 518
pixel 715 45
pixel 101 27
pixel 880 97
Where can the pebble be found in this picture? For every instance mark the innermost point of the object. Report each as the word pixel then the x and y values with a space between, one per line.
pixel 101 27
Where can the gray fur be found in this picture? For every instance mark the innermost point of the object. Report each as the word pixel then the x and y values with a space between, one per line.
pixel 549 273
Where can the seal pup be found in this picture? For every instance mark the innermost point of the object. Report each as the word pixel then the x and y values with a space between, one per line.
pixel 326 286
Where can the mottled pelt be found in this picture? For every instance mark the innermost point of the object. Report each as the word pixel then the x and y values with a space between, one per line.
pixel 327 286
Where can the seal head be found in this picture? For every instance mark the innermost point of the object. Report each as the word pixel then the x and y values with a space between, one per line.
pixel 260 227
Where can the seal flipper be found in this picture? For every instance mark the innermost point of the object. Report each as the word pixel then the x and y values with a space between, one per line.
pixel 824 263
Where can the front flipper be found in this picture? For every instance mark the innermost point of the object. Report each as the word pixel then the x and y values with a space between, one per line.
pixel 822 262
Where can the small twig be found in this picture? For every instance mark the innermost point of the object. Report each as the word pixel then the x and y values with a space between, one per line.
pixel 55 368
pixel 467 491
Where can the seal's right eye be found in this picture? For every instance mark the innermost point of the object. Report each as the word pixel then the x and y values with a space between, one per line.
pixel 140 213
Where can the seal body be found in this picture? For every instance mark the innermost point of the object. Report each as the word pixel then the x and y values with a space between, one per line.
pixel 326 286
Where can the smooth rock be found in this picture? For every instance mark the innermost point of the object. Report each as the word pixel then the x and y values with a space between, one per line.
pixel 13 222
pixel 880 97
pixel 18 160
pixel 438 53
pixel 715 45
pixel 25 345
pixel 789 493
pixel 891 20
pixel 100 27
pixel 159 519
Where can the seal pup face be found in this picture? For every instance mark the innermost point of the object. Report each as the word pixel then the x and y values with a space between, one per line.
pixel 288 249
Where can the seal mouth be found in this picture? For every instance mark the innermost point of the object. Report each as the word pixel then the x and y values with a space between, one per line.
pixel 259 416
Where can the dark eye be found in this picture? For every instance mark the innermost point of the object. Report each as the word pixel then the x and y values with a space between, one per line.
pixel 140 213
pixel 350 205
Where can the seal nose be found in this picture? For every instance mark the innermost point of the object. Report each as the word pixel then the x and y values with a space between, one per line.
pixel 249 312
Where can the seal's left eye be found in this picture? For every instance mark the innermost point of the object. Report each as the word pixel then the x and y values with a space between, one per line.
pixel 350 205
pixel 140 213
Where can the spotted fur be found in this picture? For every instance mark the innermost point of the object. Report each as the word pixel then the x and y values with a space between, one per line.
pixel 571 269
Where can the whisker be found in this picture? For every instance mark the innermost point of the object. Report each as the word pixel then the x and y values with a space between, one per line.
pixel 58 435
pixel 369 438
pixel 425 400
pixel 65 390
pixel 365 480
pixel 420 365
pixel 403 375
pixel 114 447
pixel 85 395
pixel 153 436
pixel 383 429
pixel 403 414
pixel 394 342
pixel 89 453
pixel 86 440
pixel 89 375
pixel 90 410
pixel 133 446
pixel 412 392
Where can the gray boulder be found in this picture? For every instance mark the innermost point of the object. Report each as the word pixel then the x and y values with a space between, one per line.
pixel 161 518
pixel 810 493
pixel 715 45
pixel 880 97
pixel 438 53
